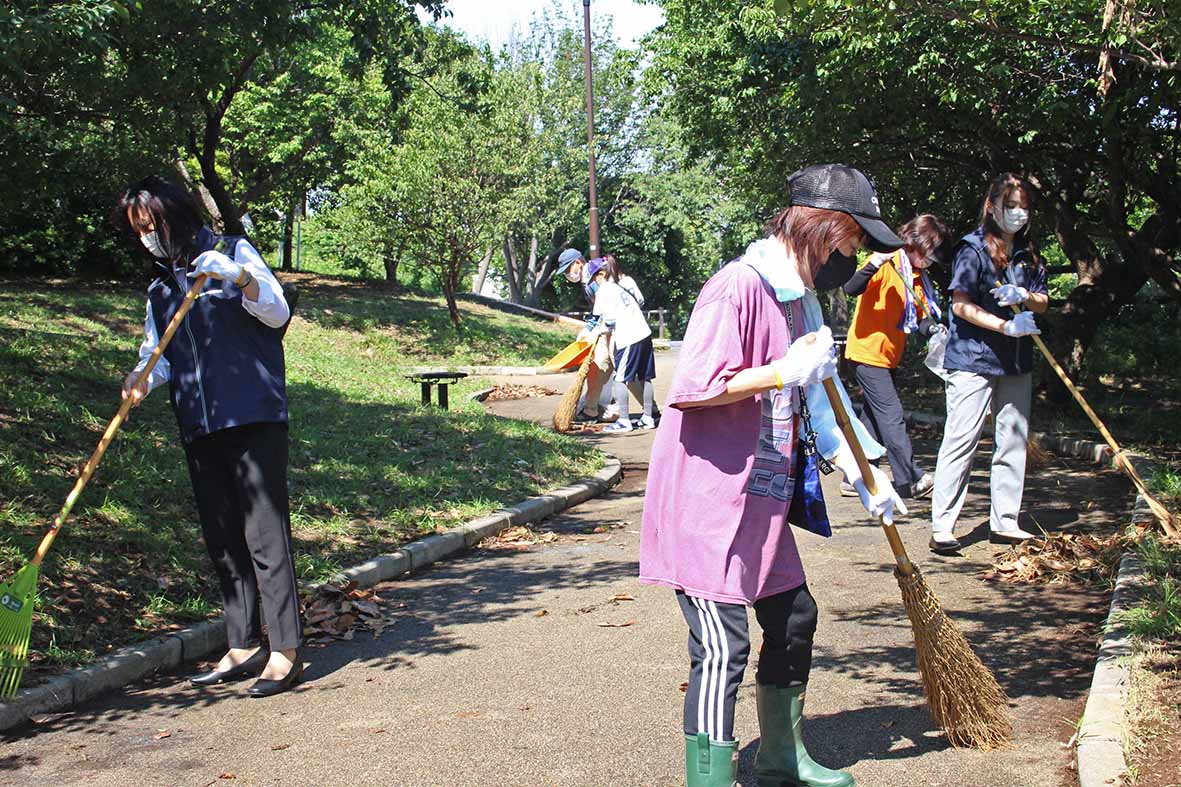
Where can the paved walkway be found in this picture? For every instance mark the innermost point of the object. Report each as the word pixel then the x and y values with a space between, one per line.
pixel 508 666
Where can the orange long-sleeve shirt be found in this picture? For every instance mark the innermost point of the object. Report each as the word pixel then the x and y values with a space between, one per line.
pixel 874 336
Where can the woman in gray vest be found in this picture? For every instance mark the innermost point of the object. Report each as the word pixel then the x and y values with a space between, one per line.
pixel 227 382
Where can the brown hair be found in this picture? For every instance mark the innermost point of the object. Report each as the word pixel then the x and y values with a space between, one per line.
pixel 812 233
pixel 926 237
pixel 994 200
pixel 612 267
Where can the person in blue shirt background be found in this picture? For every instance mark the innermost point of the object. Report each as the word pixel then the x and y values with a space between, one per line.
pixel 989 359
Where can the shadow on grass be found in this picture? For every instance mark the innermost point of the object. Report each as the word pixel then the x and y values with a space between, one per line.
pixel 484 336
pixel 369 469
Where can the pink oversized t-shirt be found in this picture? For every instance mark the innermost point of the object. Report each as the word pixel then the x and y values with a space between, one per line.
pixel 715 511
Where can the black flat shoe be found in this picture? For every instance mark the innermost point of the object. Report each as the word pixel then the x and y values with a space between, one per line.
pixel 269 688
pixel 946 548
pixel 252 666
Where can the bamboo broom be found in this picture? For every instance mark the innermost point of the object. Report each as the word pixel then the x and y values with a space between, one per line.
pixel 564 415
pixel 1168 521
pixel 16 598
pixel 962 694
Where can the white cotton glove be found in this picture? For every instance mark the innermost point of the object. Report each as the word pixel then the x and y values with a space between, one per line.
pixel 885 502
pixel 809 359
pixel 217 266
pixel 1021 325
pixel 1010 294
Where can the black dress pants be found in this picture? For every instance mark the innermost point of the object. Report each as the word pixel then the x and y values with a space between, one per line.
pixel 719 644
pixel 240 482
pixel 881 412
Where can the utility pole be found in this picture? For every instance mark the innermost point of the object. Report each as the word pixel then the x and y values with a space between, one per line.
pixel 595 250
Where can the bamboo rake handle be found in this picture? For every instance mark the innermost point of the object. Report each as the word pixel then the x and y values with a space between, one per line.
pixel 113 427
pixel 838 409
pixel 1121 459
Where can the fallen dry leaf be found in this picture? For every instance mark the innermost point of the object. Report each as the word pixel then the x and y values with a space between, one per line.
pixel 503 393
pixel 281 747
pixel 162 734
pixel 684 687
pixel 616 625
pixel 541 613
pixel 623 597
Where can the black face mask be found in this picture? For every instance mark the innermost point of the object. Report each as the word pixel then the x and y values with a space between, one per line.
pixel 835 272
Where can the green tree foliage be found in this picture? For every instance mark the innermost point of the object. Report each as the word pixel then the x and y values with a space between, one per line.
pixel 933 99
pixel 157 82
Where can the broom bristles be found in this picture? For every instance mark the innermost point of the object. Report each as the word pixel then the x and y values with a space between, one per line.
pixel 564 415
pixel 963 696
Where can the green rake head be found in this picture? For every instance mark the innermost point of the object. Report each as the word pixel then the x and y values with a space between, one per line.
pixel 16 623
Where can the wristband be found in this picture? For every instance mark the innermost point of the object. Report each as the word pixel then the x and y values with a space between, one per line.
pixel 778 379
pixel 243 278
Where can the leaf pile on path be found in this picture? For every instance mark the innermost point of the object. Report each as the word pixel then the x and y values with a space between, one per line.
pixel 338 611
pixel 519 537
pixel 1059 557
pixel 502 393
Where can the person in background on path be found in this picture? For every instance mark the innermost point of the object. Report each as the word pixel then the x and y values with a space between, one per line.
pixel 227 382
pixel 597 406
pixel 989 359
pixel 896 300
pixel 736 462
pixel 635 359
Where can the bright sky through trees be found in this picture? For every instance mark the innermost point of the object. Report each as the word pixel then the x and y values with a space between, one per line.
pixel 495 20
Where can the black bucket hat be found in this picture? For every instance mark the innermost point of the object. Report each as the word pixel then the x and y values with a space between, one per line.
pixel 838 187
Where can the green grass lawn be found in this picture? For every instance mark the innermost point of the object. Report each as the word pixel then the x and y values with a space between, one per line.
pixel 370 468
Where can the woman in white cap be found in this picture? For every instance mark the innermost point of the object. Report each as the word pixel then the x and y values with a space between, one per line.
pixel 735 462
pixel 596 405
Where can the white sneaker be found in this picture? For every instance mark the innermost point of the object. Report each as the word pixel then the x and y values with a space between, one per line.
pixel 924 486
pixel 622 425
pixel 646 422
pixel 610 413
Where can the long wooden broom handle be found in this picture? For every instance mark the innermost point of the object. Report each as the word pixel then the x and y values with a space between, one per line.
pixel 113 427
pixel 1162 514
pixel 838 409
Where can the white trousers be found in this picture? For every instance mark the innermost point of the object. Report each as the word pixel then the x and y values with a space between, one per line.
pixel 970 396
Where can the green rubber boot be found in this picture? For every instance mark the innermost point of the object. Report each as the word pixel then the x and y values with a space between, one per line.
pixel 782 759
pixel 709 763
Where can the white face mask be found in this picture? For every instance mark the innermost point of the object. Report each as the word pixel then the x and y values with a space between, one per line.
pixel 152 243
pixel 1014 219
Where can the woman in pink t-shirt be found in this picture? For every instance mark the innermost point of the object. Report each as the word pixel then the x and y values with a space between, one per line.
pixel 729 472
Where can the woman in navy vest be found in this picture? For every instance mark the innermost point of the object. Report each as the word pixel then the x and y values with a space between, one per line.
pixel 226 378
pixel 989 360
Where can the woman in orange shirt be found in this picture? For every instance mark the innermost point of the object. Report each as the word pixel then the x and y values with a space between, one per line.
pixel 886 313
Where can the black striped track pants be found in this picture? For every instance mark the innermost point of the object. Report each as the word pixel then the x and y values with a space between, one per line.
pixel 719 644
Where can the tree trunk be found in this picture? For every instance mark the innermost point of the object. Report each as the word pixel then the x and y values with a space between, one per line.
pixel 482 273
pixel 838 310
pixel 199 189
pixel 390 261
pixel 450 279
pixel 510 268
pixel 288 237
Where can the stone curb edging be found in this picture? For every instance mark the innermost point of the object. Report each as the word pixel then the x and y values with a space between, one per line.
pixel 1099 753
pixel 134 662
pixel 492 371
pixel 1100 750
